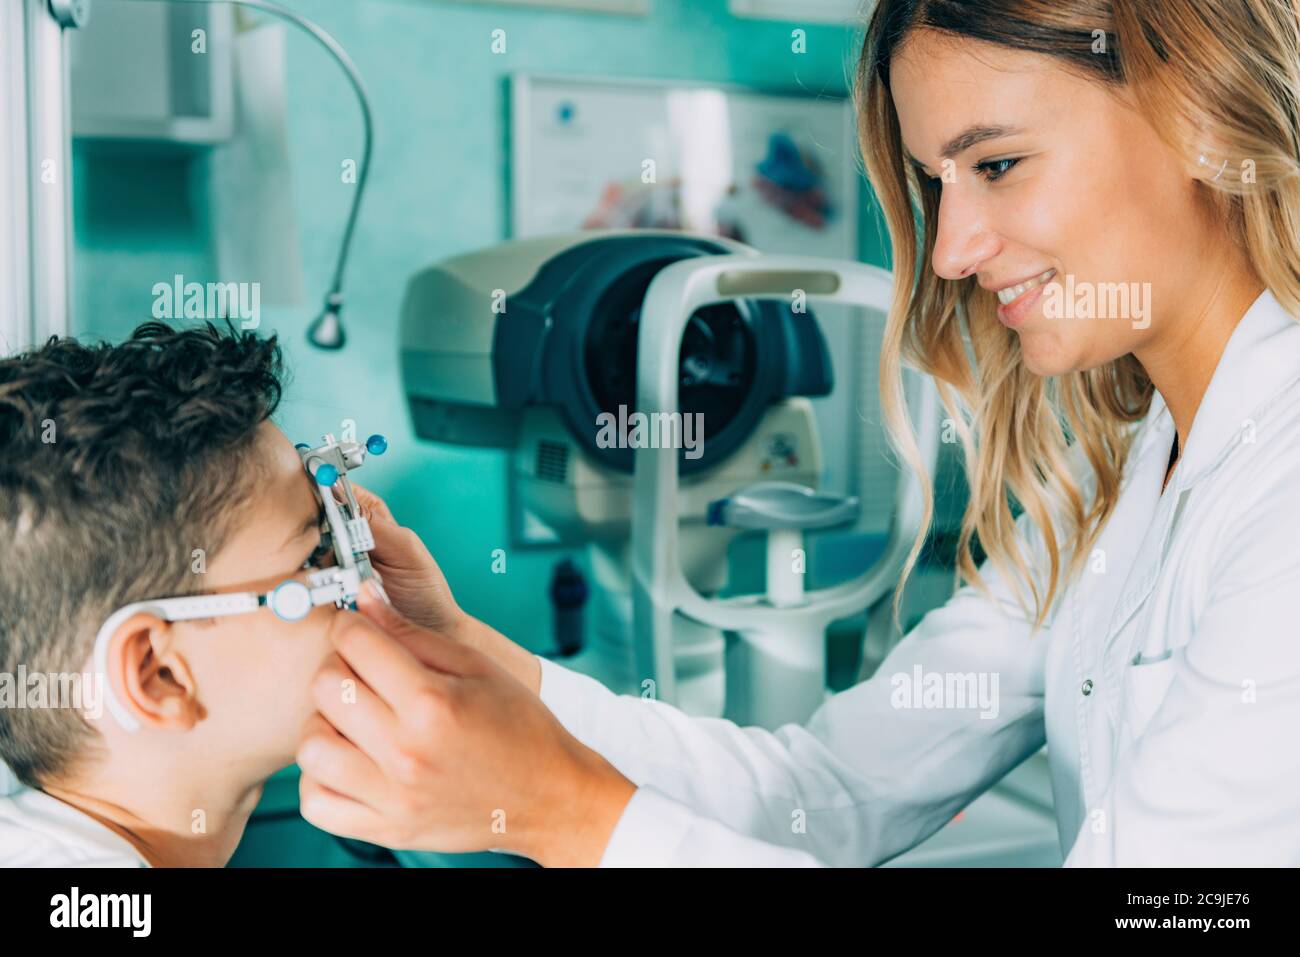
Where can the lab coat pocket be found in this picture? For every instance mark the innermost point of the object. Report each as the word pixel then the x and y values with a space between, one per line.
pixel 1145 684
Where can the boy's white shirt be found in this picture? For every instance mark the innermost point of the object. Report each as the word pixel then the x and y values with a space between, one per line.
pixel 37 830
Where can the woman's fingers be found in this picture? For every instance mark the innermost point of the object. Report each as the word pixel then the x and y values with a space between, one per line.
pixel 457 743
pixel 339 765
pixel 393 543
pixel 339 814
pixel 429 648
pixel 371 504
pixel 412 578
pixel 358 713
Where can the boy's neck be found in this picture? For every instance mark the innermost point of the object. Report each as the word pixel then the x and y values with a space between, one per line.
pixel 167 828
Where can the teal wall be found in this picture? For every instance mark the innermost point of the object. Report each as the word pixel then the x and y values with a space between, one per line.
pixel 438 188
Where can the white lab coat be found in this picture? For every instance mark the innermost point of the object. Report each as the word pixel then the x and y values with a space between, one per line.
pixel 1185 750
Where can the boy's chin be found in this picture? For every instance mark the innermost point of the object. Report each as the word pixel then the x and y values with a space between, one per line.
pixel 284 756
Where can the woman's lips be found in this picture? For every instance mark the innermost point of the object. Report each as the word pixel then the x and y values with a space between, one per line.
pixel 1017 311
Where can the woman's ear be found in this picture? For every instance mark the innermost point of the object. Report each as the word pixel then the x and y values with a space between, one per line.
pixel 158 688
pixel 1209 158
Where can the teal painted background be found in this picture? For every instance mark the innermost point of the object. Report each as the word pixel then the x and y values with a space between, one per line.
pixel 438 188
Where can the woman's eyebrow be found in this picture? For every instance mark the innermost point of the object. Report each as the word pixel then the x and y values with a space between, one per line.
pixel 971 136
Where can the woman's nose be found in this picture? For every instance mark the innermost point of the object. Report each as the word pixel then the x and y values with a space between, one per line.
pixel 963 240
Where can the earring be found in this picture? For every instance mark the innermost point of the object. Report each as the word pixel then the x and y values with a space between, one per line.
pixel 1204 160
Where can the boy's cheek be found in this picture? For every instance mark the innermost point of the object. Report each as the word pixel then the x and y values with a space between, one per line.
pixel 306 651
pixel 276 656
pixel 280 658
pixel 319 622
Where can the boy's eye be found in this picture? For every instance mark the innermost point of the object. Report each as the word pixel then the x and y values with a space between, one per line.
pixel 322 554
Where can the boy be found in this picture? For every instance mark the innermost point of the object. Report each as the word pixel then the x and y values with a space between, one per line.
pixel 149 469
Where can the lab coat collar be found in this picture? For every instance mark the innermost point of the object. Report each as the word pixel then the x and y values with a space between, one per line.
pixel 1261 358
pixel 9 783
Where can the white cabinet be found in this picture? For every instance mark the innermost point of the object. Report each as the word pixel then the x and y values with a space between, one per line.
pixel 153 72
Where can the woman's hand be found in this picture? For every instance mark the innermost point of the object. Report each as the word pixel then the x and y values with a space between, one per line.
pixel 412 579
pixel 424 743
pixel 418 591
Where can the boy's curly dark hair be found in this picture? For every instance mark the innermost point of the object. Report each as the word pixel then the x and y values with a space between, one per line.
pixel 116 463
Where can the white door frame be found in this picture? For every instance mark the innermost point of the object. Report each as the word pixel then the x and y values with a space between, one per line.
pixel 35 173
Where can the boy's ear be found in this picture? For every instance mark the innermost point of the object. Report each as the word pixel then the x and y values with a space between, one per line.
pixel 159 690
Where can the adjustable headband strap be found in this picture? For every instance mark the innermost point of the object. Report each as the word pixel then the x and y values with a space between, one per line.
pixel 187 608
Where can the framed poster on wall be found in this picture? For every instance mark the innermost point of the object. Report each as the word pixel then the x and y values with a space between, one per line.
pixel 626 7
pixel 777 171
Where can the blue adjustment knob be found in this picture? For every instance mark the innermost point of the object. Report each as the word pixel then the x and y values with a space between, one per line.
pixel 301 446
pixel 327 475
pixel 376 445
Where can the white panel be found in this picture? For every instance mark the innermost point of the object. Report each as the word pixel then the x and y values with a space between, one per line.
pixel 49 172
pixel 135 74
pixel 35 174
pixel 15 276
pixel 125 51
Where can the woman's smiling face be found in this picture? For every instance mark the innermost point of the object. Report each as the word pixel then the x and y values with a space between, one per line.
pixel 1045 171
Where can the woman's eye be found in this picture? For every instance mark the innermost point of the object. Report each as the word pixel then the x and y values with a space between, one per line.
pixel 994 170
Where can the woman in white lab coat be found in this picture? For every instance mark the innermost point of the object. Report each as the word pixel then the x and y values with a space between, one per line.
pixel 1107 280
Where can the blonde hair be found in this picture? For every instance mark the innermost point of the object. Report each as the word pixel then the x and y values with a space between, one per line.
pixel 1218 80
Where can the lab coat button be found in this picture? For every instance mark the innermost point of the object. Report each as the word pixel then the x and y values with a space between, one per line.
pixel 1087 687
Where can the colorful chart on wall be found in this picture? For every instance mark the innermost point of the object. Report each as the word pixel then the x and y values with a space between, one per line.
pixel 777 171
